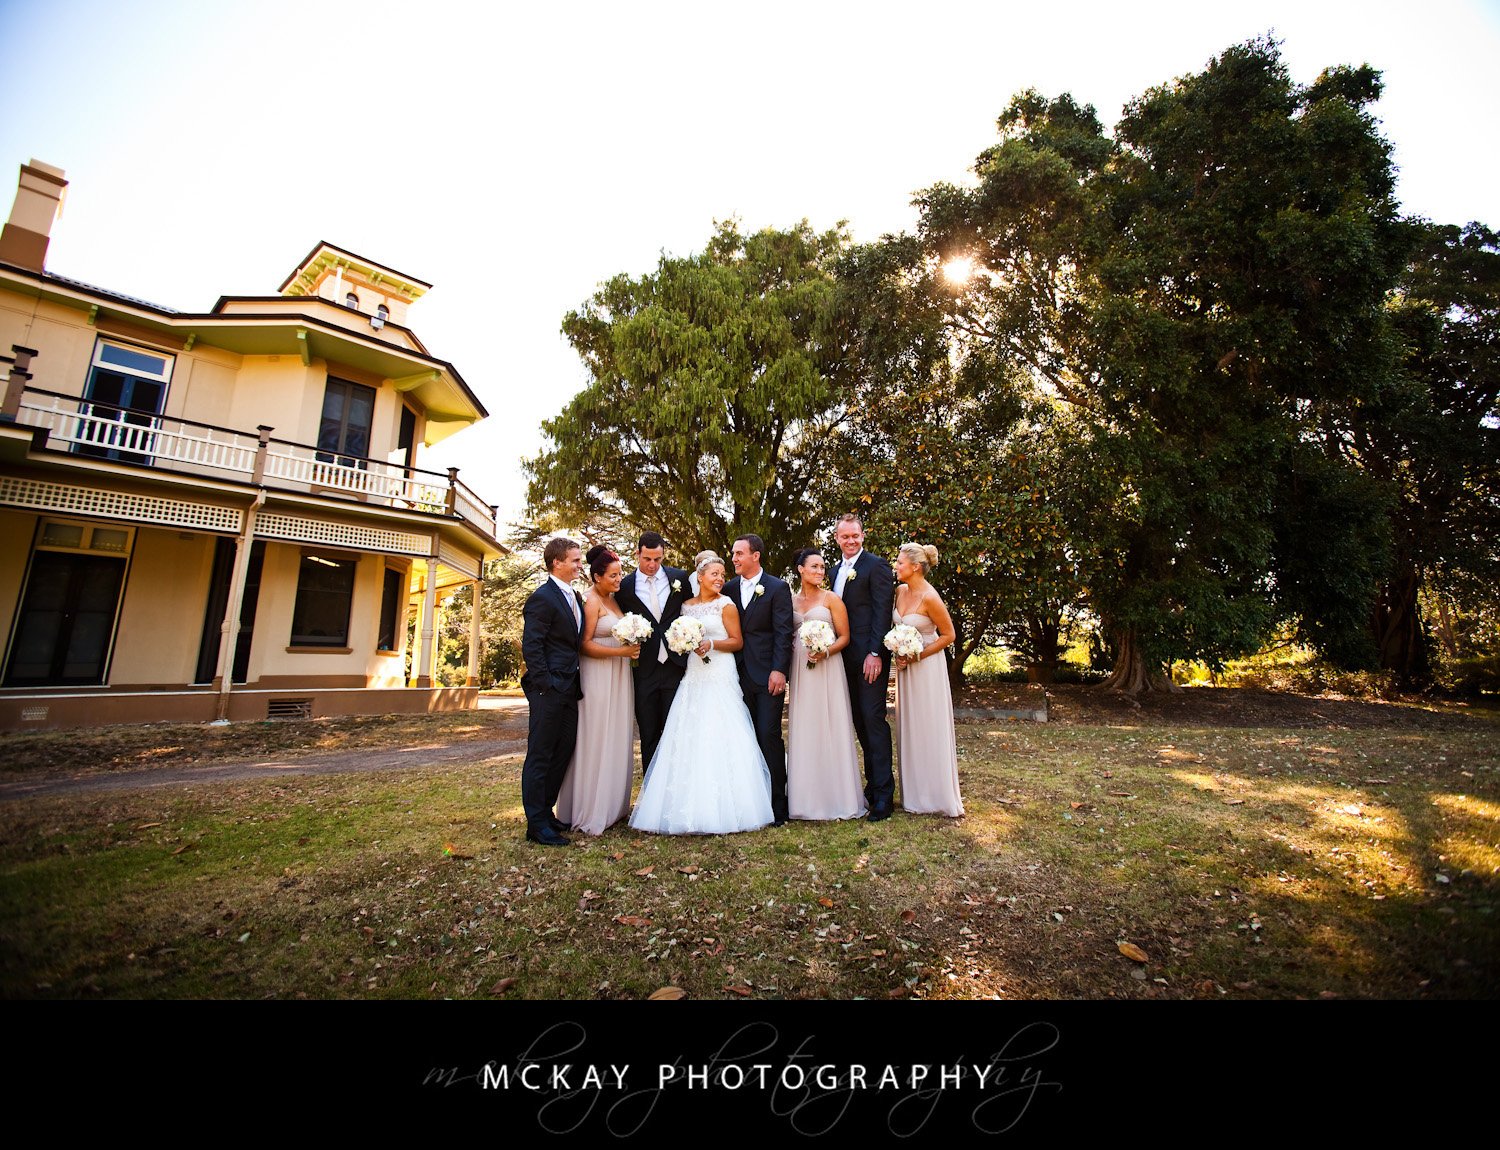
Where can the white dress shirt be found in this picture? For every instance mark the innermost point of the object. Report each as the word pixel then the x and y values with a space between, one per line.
pixel 846 568
pixel 572 600
pixel 747 589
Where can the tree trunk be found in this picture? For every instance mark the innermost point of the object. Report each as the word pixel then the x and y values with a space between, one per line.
pixel 1131 674
pixel 1397 626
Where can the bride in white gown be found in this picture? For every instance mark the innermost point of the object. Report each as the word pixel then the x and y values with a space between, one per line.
pixel 707 776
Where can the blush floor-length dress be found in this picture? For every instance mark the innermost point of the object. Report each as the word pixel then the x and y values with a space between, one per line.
pixel 596 790
pixel 822 770
pixel 925 739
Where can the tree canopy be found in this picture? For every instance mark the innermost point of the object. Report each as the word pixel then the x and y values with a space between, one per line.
pixel 1190 288
pixel 710 399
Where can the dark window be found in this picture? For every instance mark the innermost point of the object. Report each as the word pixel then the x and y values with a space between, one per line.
pixel 218 603
pixel 67 620
pixel 352 300
pixel 390 608
pixel 325 590
pixel 344 434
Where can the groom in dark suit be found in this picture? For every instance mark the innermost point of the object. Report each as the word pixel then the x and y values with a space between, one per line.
pixel 765 606
pixel 868 588
pixel 655 593
pixel 550 639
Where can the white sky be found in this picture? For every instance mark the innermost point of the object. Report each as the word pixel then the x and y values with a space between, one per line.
pixel 517 155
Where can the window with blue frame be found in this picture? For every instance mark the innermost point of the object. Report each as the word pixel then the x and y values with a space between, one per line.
pixel 125 395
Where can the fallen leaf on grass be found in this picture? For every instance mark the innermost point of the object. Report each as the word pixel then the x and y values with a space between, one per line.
pixel 666 994
pixel 502 986
pixel 631 920
pixel 691 868
pixel 1380 782
pixel 908 916
pixel 1133 952
pixel 742 991
pixel 644 871
pixel 617 856
pixel 1122 794
pixel 587 897
pixel 826 902
pixel 898 992
pixel 147 826
pixel 1234 802
pixel 184 847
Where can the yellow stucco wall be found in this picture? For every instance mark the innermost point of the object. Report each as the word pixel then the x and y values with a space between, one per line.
pixel 17 528
pixel 60 336
pixel 161 617
pixel 269 656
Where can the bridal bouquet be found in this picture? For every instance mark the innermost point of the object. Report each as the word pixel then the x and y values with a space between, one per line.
pixel 632 629
pixel 684 635
pixel 817 636
pixel 904 640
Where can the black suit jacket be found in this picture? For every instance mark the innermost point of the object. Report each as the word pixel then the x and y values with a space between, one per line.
pixel 629 601
pixel 550 642
pixel 766 625
pixel 868 598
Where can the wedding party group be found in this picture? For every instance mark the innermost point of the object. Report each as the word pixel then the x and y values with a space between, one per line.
pixel 704 666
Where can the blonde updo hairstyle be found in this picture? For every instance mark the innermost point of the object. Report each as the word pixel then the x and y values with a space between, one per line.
pixel 702 560
pixel 924 555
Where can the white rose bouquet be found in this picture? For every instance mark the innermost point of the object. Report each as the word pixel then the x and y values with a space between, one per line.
pixel 632 629
pixel 904 641
pixel 684 635
pixel 817 636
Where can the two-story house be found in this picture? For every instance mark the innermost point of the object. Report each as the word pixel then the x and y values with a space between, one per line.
pixel 221 515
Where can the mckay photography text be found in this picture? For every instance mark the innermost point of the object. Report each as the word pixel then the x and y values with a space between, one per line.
pixel 757 1074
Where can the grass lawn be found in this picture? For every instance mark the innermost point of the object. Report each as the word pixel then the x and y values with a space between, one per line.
pixel 1239 844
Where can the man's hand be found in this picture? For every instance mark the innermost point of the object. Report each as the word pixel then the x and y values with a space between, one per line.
pixel 777 683
pixel 872 668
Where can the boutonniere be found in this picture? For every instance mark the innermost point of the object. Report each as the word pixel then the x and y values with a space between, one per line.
pixel 759 590
pixel 676 584
pixel 849 578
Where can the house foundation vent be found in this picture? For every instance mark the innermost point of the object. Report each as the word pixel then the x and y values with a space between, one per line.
pixel 289 709
pixel 33 714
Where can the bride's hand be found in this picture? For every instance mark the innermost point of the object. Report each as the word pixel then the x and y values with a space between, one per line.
pixel 702 649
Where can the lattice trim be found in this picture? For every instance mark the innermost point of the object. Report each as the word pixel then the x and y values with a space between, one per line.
pixel 300 530
pixel 460 561
pixel 100 504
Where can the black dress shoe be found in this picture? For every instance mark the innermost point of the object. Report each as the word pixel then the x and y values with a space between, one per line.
pixel 558 825
pixel 878 814
pixel 547 837
pixel 779 821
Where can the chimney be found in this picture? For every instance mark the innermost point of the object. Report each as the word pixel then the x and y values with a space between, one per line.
pixel 39 198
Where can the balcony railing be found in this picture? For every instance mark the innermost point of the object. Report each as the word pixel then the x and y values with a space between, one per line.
pixel 103 431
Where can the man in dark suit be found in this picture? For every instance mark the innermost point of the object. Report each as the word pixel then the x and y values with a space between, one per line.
pixel 550 641
pixel 868 588
pixel 655 593
pixel 765 606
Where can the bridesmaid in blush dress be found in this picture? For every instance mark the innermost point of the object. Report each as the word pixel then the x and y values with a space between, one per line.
pixel 596 790
pixel 822 773
pixel 924 703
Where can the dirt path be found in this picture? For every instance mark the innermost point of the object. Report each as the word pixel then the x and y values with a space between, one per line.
pixel 466 751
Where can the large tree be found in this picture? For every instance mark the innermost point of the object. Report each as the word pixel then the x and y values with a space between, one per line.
pixel 710 399
pixel 1434 437
pixel 1191 288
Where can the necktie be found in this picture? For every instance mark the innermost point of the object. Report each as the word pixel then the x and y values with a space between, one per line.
pixel 661 648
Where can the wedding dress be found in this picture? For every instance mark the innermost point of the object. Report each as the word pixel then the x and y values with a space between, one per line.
pixel 708 776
